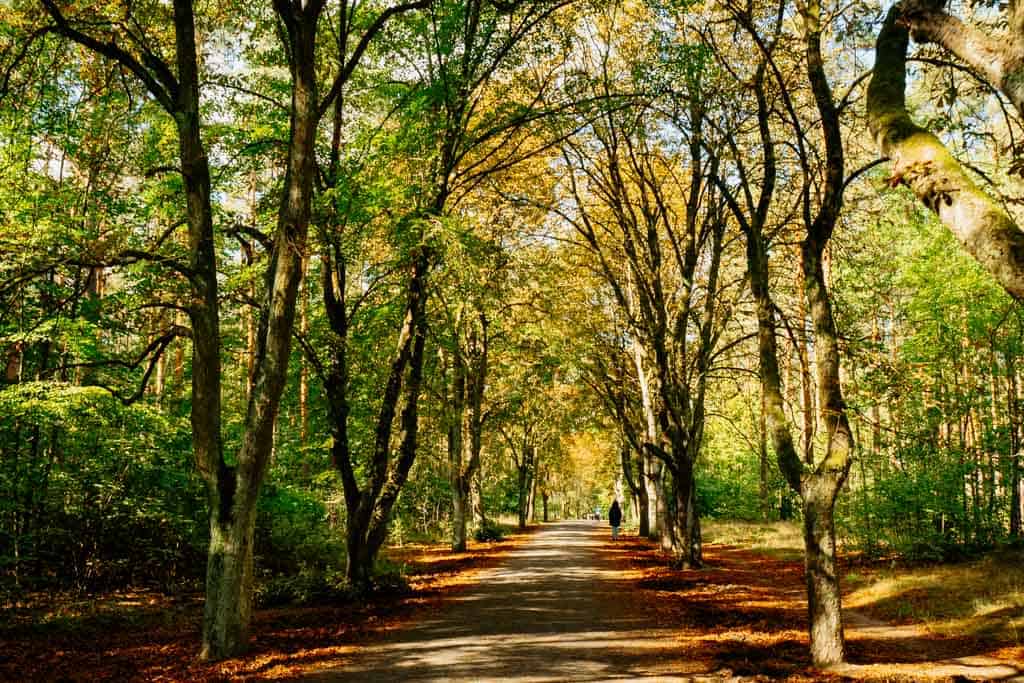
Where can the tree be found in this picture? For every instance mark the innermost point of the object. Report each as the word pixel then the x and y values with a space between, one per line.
pixel 818 481
pixel 135 42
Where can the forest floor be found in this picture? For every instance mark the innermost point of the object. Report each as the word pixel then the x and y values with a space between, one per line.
pixel 145 635
pixel 564 603
pixel 745 613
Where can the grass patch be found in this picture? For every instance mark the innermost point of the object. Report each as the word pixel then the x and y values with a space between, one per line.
pixel 781 540
pixel 982 598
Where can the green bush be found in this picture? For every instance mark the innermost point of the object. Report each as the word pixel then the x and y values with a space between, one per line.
pixel 305 589
pixel 292 536
pixel 489 531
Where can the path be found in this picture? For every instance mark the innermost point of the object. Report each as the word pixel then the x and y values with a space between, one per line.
pixel 551 612
pixel 559 609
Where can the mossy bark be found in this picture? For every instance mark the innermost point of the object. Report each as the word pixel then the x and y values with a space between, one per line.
pixel 922 163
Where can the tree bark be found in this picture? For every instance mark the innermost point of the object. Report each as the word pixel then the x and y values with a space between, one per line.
pixel 824 600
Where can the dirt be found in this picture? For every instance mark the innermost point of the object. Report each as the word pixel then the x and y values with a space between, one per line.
pixel 564 603
pixel 554 611
pixel 746 613
pixel 143 635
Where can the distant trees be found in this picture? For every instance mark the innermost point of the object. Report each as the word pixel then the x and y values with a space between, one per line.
pixel 965 198
pixel 642 206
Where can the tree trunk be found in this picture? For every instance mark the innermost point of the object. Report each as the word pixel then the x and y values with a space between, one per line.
pixel 522 502
pixel 460 513
pixel 229 566
pixel 665 526
pixel 689 548
pixel 824 608
pixel 467 419
pixel 456 409
pixel 762 452
pixel 1013 413
pixel 655 502
pixel 479 511
pixel 359 563
pixel 531 498
pixel 643 500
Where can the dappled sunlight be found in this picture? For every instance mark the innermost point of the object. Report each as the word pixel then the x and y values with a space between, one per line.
pixel 556 610
pixel 980 598
pixel 746 612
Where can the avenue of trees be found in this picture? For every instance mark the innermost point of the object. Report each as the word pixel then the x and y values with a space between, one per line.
pixel 283 282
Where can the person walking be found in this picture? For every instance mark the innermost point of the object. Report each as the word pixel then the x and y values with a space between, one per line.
pixel 615 518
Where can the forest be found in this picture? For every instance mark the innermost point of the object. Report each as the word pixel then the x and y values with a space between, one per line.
pixel 286 284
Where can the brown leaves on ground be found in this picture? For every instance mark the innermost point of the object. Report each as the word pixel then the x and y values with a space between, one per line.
pixel 146 636
pixel 746 614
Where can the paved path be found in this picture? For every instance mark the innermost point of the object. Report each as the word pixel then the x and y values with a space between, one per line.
pixel 553 611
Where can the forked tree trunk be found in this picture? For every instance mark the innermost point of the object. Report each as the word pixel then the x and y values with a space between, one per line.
pixel 232 524
pixel 369 508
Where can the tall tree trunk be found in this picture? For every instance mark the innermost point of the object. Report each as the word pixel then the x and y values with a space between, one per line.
pixel 531 498
pixel 655 499
pixel 233 498
pixel 304 369
pixel 762 452
pixel 665 526
pixel 643 498
pixel 522 501
pixel 456 409
pixel 470 381
pixel 1013 411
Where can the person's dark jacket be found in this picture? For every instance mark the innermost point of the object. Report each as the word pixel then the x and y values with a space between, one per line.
pixel 615 514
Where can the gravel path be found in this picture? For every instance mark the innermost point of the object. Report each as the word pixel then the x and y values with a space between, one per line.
pixel 553 611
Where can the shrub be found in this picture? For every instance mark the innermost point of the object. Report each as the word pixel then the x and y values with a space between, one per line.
pixel 305 589
pixel 489 531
